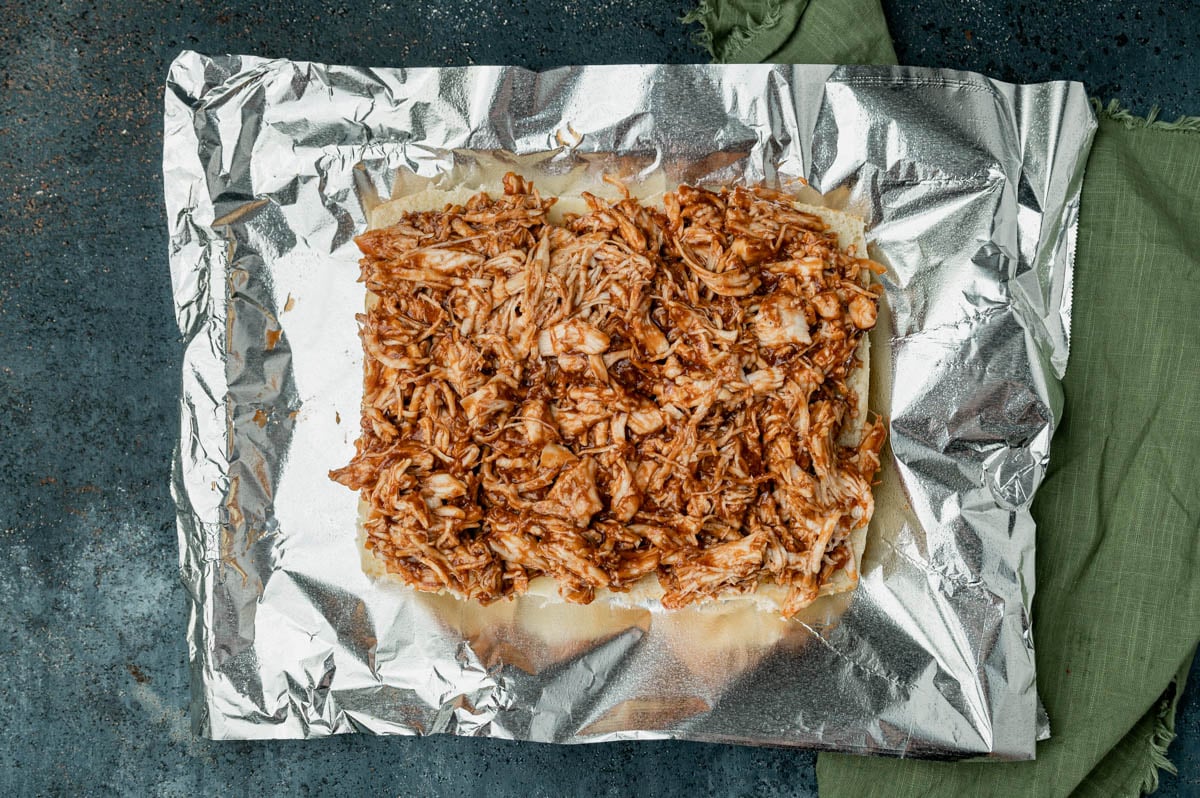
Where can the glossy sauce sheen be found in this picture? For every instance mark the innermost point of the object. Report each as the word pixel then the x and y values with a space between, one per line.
pixel 634 393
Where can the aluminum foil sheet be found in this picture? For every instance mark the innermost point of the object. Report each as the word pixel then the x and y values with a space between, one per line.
pixel 970 190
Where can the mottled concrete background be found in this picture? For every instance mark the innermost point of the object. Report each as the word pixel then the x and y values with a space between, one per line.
pixel 94 687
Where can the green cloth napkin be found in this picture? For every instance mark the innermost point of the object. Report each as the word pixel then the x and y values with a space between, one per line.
pixel 1117 603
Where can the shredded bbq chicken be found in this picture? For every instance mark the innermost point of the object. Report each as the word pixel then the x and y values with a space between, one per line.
pixel 633 391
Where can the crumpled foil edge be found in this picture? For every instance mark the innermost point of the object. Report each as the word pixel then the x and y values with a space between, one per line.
pixel 200 253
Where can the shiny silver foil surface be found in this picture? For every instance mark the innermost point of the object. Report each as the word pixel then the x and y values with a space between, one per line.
pixel 970 190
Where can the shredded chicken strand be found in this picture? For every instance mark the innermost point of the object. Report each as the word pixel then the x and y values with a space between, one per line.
pixel 633 391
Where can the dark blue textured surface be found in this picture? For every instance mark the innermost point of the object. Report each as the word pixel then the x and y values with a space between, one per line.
pixel 95 689
pixel 1141 53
